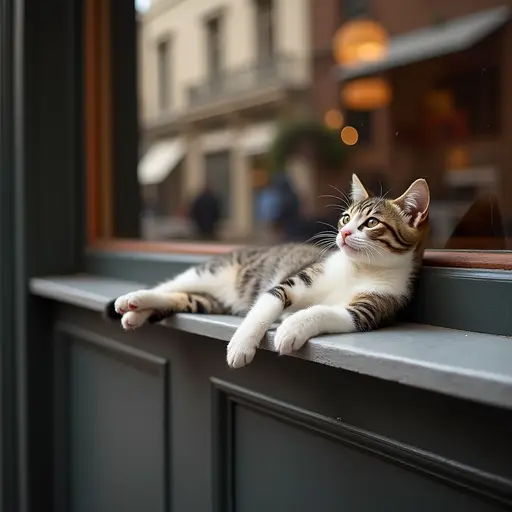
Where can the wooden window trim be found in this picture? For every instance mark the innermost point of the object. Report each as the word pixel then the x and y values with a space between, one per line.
pixel 98 119
pixel 98 125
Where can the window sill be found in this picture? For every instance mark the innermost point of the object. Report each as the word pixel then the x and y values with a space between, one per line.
pixel 458 363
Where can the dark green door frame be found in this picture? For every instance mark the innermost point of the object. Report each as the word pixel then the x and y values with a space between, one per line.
pixel 41 228
pixel 8 438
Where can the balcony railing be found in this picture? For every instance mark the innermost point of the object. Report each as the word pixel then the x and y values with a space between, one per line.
pixel 282 70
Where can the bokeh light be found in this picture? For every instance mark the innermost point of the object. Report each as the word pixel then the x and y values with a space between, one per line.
pixel 366 94
pixel 349 135
pixel 333 119
pixel 360 41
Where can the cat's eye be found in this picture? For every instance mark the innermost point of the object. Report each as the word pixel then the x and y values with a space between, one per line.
pixel 345 219
pixel 372 222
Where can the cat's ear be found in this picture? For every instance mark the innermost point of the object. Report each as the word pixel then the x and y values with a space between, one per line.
pixel 415 201
pixel 358 192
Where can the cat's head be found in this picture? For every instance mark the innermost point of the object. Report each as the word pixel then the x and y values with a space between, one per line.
pixel 378 230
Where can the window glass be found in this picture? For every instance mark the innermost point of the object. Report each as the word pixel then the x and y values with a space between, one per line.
pixel 248 128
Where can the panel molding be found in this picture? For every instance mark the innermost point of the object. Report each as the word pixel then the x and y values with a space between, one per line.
pixel 223 492
pixel 225 396
pixel 65 336
pixel 134 357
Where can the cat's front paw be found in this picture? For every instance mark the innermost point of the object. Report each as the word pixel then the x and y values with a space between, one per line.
pixel 291 335
pixel 239 354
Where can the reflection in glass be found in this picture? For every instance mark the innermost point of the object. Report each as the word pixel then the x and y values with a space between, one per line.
pixel 425 91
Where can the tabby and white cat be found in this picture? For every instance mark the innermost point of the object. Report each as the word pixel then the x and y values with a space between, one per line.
pixel 359 286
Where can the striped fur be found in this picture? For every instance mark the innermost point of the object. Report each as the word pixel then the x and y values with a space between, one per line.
pixel 370 311
pixel 360 284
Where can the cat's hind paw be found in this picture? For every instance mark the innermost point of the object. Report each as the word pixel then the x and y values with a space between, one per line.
pixel 134 319
pixel 135 301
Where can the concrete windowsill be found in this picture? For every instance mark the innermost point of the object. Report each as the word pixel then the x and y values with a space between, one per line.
pixel 464 364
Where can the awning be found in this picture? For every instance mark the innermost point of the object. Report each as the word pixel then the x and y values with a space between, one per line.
pixel 434 41
pixel 160 160
pixel 256 139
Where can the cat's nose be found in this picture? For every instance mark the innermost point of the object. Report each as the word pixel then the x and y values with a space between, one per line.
pixel 345 233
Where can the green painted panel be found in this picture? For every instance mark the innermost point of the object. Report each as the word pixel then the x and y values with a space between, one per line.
pixel 279 466
pixel 472 300
pixel 281 434
pixel 113 426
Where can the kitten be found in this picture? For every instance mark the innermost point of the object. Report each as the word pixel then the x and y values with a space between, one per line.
pixel 359 286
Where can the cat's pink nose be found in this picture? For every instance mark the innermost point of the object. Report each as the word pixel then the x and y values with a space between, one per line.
pixel 345 233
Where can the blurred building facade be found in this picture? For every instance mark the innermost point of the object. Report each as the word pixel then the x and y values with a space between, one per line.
pixel 215 79
pixel 450 119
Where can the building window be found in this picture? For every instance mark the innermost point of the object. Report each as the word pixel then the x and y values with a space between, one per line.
pixel 354 9
pixel 265 30
pixel 217 170
pixel 163 72
pixel 362 121
pixel 213 42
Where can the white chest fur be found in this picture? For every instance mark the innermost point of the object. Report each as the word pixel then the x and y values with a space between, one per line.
pixel 342 280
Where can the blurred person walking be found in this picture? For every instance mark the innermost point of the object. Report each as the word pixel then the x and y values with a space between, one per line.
pixel 205 213
pixel 287 213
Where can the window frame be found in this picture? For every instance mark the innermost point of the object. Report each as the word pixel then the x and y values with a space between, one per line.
pixel 164 74
pixel 265 31
pixel 97 116
pixel 150 261
pixel 214 59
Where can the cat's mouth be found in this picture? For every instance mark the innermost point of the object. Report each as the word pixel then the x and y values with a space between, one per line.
pixel 344 245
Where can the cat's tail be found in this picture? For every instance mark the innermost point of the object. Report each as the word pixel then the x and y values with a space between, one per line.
pixel 110 313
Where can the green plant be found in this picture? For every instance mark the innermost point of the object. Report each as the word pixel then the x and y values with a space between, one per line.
pixel 309 139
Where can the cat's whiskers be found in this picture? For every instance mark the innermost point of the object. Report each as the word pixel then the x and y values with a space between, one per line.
pixel 321 236
pixel 326 249
pixel 344 195
pixel 336 207
pixel 325 240
pixel 327 224
pixel 360 246
pixel 370 249
pixel 374 249
pixel 345 203
pixel 325 244
pixel 367 253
